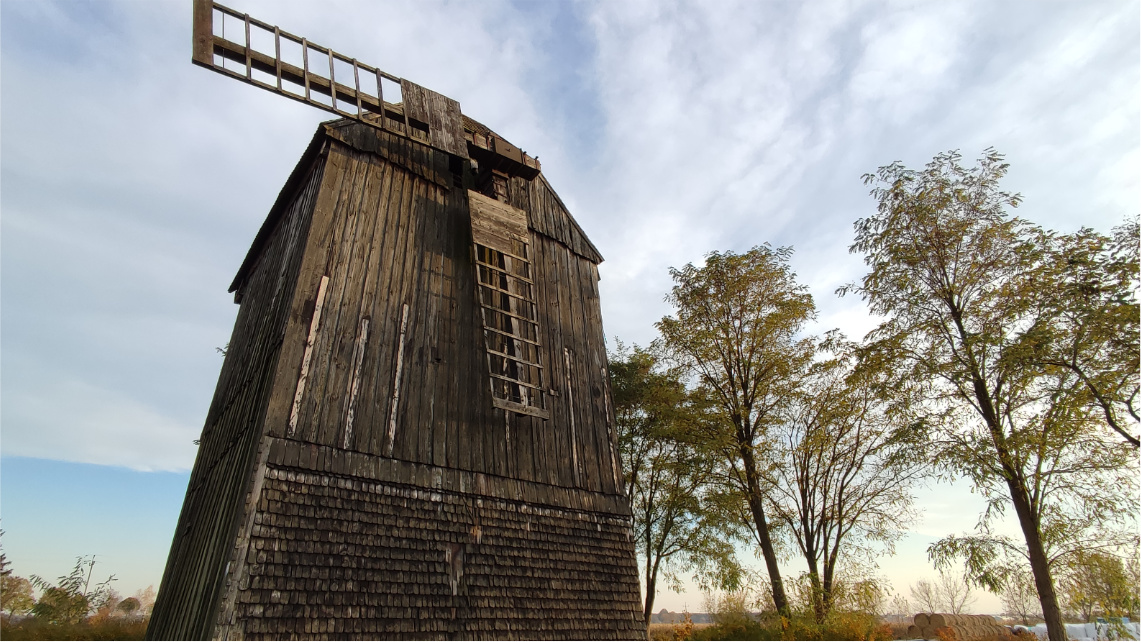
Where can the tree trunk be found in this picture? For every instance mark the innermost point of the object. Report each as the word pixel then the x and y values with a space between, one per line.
pixel 1028 518
pixel 651 582
pixel 758 510
pixel 1039 565
pixel 648 611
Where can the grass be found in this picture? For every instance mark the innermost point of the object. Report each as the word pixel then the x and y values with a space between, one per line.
pixel 105 629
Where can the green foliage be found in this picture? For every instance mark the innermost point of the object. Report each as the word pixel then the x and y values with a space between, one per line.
pixel 71 599
pixel 16 596
pixel 733 620
pixel 843 470
pixel 676 523
pixel 1097 582
pixel 735 331
pixel 980 309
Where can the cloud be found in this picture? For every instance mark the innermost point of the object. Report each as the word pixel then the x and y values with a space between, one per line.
pixel 73 420
pixel 671 129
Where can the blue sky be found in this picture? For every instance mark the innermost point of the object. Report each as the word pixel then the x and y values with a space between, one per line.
pixel 133 183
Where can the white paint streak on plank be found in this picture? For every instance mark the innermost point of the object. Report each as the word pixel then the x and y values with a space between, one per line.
pixel 314 325
pixel 610 430
pixel 570 406
pixel 355 381
pixel 396 382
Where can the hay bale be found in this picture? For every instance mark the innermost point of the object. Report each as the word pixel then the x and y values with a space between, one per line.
pixel 921 620
pixel 914 631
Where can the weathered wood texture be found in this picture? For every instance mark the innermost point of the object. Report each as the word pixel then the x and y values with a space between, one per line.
pixel 388 496
pixel 203 540
pixel 399 238
pixel 347 559
pixel 341 558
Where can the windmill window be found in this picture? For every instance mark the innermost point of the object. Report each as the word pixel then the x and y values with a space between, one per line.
pixel 506 292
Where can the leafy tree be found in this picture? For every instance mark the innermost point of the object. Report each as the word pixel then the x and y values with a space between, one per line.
pixel 16 596
pixel 71 599
pixel 843 468
pixel 1100 582
pixel 1093 326
pixel 736 326
pixel 666 477
pixel 966 292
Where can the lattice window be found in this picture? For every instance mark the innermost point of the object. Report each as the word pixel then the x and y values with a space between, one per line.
pixel 507 304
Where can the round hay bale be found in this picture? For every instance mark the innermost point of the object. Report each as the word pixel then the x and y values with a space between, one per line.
pixel 921 620
pixel 937 620
pixel 914 631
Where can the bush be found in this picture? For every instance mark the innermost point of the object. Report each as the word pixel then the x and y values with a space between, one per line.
pixel 770 626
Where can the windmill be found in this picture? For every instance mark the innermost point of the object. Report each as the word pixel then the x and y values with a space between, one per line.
pixel 411 435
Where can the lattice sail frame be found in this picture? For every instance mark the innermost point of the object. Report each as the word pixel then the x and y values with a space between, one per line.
pixel 418 113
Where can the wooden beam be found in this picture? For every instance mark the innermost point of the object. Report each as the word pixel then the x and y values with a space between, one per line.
pixel 437 117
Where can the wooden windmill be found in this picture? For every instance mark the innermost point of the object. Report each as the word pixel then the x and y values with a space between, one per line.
pixel 411 436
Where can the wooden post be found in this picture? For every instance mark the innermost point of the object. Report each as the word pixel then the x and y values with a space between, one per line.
pixel 203 38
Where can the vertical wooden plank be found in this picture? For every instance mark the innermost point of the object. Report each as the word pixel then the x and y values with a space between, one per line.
pixel 360 289
pixel 441 362
pixel 308 423
pixel 557 432
pixel 312 270
pixel 566 340
pixel 597 360
pixel 588 458
pixel 467 366
pixel 386 310
pixel 407 432
pixel 340 331
pixel 427 275
pixel 400 211
pixel 378 349
pixel 455 251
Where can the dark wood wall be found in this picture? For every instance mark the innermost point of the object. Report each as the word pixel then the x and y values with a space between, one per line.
pixel 398 234
pixel 204 536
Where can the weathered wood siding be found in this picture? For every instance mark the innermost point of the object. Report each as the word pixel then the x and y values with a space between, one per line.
pixel 345 558
pixel 219 481
pixel 399 238
pixel 355 478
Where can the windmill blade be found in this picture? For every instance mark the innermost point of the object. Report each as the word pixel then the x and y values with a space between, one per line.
pixel 416 112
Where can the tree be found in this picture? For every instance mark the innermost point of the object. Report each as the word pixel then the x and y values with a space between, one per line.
pixel 950 594
pixel 901 606
pixel 1094 333
pixel 1100 582
pixel 965 291
pixel 129 607
pixel 666 478
pixel 16 596
pixel 736 329
pixel 71 598
pixel 843 470
pixel 1019 599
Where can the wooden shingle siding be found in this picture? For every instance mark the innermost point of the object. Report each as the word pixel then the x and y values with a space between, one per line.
pixel 346 558
pixel 189 592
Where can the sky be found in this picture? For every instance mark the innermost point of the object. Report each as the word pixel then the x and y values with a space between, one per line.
pixel 132 182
